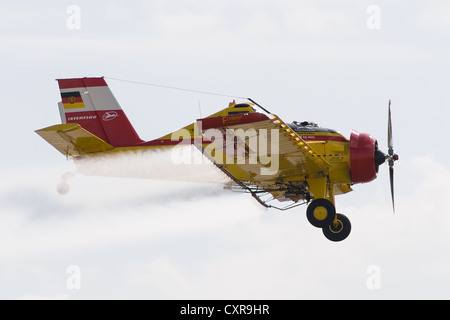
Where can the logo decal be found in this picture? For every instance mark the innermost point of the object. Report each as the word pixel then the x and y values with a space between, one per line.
pixel 81 118
pixel 72 100
pixel 111 115
pixel 231 119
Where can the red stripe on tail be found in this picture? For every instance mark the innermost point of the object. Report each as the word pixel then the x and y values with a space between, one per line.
pixel 81 83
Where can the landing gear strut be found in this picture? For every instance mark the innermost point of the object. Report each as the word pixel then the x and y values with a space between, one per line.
pixel 321 212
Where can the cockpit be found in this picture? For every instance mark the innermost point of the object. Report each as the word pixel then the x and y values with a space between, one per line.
pixel 308 126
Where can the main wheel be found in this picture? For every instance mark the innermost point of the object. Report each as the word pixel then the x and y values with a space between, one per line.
pixel 339 229
pixel 321 213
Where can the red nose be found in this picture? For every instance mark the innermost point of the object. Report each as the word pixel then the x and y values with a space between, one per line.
pixel 362 157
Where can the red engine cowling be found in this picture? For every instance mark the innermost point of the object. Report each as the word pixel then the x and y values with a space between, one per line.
pixel 363 166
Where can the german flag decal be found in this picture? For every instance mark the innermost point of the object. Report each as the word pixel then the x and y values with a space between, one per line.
pixel 72 100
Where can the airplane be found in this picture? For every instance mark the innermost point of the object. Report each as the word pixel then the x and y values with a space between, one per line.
pixel 282 165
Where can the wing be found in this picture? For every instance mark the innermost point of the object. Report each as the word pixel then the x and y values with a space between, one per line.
pixel 72 140
pixel 262 154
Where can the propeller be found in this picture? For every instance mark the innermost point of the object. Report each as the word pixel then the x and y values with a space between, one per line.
pixel 391 157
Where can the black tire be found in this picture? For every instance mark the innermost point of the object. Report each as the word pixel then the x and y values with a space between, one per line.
pixel 338 231
pixel 321 213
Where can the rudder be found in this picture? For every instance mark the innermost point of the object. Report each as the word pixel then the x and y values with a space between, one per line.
pixel 90 103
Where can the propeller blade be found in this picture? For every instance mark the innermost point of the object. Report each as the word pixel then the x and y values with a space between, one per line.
pixel 391 178
pixel 391 157
pixel 390 140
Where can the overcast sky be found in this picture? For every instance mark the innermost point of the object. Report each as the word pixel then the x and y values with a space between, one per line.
pixel 336 63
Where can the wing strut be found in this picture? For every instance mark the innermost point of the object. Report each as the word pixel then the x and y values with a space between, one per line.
pixel 239 183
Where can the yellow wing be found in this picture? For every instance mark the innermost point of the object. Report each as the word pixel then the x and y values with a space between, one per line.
pixel 263 154
pixel 295 157
pixel 72 140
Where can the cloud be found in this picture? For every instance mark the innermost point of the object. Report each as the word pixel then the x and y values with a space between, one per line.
pixel 435 15
pixel 136 238
pixel 99 215
pixel 312 20
pixel 185 22
pixel 35 212
pixel 37 297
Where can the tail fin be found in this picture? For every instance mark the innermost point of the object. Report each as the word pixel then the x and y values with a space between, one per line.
pixel 90 103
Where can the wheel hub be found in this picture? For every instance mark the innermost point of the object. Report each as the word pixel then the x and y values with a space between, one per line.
pixel 320 213
pixel 336 226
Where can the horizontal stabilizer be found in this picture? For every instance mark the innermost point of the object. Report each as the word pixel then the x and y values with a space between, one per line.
pixel 72 140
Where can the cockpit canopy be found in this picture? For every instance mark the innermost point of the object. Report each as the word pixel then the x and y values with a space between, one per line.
pixel 308 126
